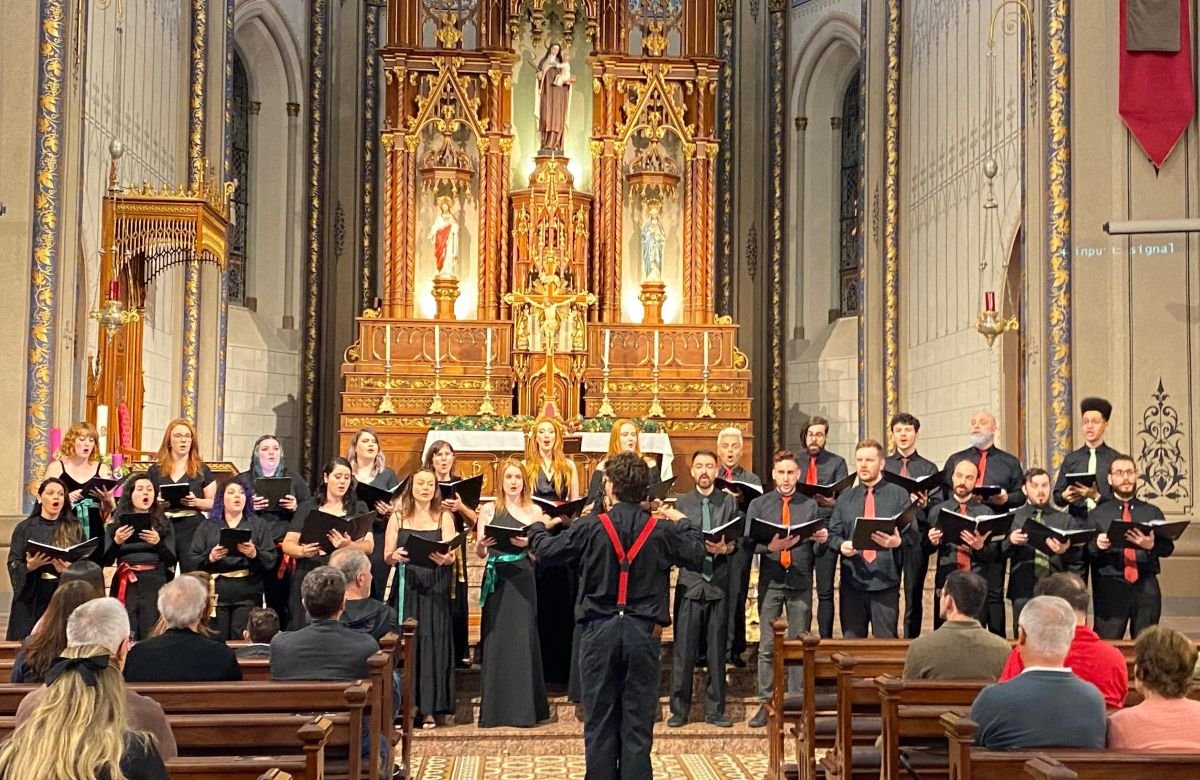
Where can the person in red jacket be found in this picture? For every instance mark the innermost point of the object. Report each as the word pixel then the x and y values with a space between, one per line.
pixel 1090 658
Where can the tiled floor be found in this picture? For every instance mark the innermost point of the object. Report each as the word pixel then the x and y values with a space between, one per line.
pixel 666 767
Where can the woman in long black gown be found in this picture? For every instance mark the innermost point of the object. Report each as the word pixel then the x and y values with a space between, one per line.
pixel 179 460
pixel 439 459
pixel 513 688
pixel 144 559
pixel 367 460
pixel 35 576
pixel 77 464
pixel 424 593
pixel 556 478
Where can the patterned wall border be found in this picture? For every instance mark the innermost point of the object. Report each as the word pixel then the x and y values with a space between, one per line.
pixel 47 216
pixel 863 74
pixel 198 88
pixel 775 328
pixel 370 142
pixel 227 175
pixel 318 41
pixel 891 230
pixel 1058 237
pixel 725 101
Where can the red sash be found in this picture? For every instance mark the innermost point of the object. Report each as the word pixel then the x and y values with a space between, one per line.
pixel 287 564
pixel 127 573
pixel 623 558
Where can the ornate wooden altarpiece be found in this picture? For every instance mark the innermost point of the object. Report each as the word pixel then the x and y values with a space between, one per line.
pixel 548 257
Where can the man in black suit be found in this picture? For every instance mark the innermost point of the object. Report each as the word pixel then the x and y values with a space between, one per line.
pixel 729 451
pixel 324 649
pixel 1029 565
pixel 181 653
pixel 702 608
pixel 819 466
pixel 970 552
pixel 870 592
pixel 1094 457
pixel 362 613
pixel 996 468
pixel 905 461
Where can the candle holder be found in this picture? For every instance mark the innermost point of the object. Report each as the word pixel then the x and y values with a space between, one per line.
pixel 385 404
pixel 435 405
pixel 485 406
pixel 705 409
pixel 656 409
pixel 606 407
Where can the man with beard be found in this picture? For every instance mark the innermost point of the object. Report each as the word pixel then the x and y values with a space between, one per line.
pixel 1125 575
pixel 822 467
pixel 729 451
pixel 1029 565
pixel 997 469
pixel 970 552
pixel 905 461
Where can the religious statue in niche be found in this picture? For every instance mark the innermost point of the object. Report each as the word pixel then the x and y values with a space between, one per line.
pixel 554 81
pixel 444 235
pixel 654 239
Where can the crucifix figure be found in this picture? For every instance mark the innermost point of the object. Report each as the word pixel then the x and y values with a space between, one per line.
pixel 548 300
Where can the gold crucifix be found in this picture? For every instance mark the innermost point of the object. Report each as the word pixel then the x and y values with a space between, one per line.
pixel 548 299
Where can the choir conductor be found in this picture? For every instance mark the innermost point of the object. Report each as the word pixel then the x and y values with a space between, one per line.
pixel 625 557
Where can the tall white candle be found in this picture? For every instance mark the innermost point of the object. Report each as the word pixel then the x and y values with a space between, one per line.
pixel 607 346
pixel 387 344
pixel 706 349
pixel 437 343
pixel 102 427
pixel 656 349
pixel 489 346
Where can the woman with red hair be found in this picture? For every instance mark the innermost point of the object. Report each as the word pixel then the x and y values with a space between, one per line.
pixel 178 461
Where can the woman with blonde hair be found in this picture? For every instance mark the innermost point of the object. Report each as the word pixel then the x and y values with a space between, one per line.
pixel 34 575
pixel 368 466
pixel 178 461
pixel 77 464
pixel 510 671
pixel 79 729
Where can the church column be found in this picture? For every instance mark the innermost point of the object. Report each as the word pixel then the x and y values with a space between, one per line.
pixel 491 241
pixel 40 370
pixel 1058 233
pixel 503 272
pixel 776 202
pixel 318 39
pixel 227 175
pixel 725 187
pixel 891 216
pixel 293 204
pixel 198 90
pixel 391 303
pixel 368 214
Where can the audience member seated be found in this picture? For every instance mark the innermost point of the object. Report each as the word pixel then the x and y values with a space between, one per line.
pixel 46 644
pixel 84 571
pixel 1090 657
pixel 362 613
pixel 262 624
pixel 181 653
pixel 97 628
pixel 1045 705
pixel 325 649
pixel 1166 720
pixel 961 649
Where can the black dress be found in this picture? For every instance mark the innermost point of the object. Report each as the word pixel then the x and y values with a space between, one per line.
pixel 460 609
pixel 380 571
pixel 511 681
pixel 185 521
pixel 277 585
pixel 31 589
pixel 297 617
pixel 144 569
pixel 87 510
pixel 237 593
pixel 557 586
pixel 427 598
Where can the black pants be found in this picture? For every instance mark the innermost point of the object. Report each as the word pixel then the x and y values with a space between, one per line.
pixel 236 596
pixel 825 566
pixel 914 574
pixel 1120 606
pixel 877 609
pixel 277 593
pixel 993 614
pixel 740 561
pixel 141 601
pixel 619 660
pixel 695 620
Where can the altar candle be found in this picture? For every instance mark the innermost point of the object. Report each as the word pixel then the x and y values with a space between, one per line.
pixel 114 290
pixel 437 343
pixel 387 344
pixel 989 301
pixel 706 349
pixel 489 347
pixel 607 345
pixel 118 460
pixel 55 441
pixel 656 349
pixel 102 427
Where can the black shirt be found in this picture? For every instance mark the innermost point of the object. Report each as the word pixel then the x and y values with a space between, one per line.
pixel 947 560
pixel 1076 462
pixel 181 655
pixel 1022 577
pixel 208 536
pixel 721 510
pixel 1111 562
pixel 585 541
pixel 196 484
pixel 884 572
pixel 1002 470
pixel 830 468
pixel 278 519
pixel 136 552
pixel 370 616
pixel 771 573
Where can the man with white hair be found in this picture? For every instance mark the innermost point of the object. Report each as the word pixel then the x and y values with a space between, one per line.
pixel 1045 705
pixel 105 623
pixel 729 450
pixel 182 653
pixel 361 612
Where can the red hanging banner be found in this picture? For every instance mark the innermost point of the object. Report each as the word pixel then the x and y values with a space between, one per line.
pixel 1157 99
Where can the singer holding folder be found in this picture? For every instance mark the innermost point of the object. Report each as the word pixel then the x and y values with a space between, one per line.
pixel 237 571
pixel 440 459
pixel 822 467
pixel 178 461
pixel 34 576
pixel 367 463
pixel 870 589
pixel 141 542
pixel 422 591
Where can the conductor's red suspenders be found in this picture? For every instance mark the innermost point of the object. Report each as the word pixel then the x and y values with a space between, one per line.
pixel 625 559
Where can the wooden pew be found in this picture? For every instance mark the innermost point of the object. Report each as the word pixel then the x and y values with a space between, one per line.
pixel 237 768
pixel 913 709
pixel 858 715
pixel 403 660
pixel 968 762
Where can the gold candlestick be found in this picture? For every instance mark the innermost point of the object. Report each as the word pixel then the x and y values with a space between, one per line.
pixel 706 409
pixel 435 405
pixel 385 404
pixel 486 407
pixel 606 407
pixel 656 409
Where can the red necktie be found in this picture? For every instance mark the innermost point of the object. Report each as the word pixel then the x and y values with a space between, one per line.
pixel 982 468
pixel 811 476
pixel 1131 569
pixel 904 467
pixel 785 518
pixel 964 552
pixel 869 511
pixel 728 473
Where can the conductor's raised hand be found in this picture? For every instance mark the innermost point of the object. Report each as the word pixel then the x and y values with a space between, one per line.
pixel 781 542
pixel 670 512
